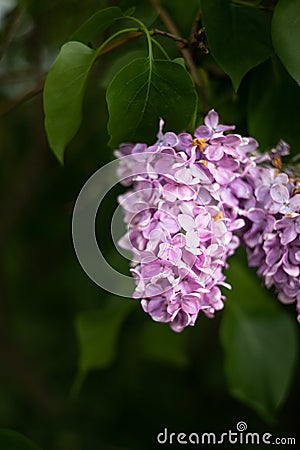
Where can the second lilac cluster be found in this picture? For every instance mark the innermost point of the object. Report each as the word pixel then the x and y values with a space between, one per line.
pixel 181 212
pixel 273 236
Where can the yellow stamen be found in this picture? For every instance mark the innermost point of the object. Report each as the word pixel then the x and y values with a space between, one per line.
pixel 296 190
pixel 200 143
pixel 218 216
pixel 296 182
pixel 276 162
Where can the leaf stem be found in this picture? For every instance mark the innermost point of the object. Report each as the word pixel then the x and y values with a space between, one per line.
pixel 150 54
pixel 147 33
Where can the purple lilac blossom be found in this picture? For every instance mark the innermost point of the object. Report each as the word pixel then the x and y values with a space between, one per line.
pixel 268 197
pixel 272 236
pixel 182 211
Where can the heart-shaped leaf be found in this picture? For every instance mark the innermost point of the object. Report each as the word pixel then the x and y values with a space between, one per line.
pixel 286 35
pixel 239 37
pixel 63 94
pixel 260 344
pixel 142 92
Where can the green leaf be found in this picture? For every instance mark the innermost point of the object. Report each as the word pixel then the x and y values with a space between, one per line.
pixel 63 94
pixel 239 37
pixel 160 343
pixel 117 64
pixel 273 107
pixel 142 92
pixel 11 440
pixel 96 24
pixel 286 35
pixel 260 344
pixel 98 333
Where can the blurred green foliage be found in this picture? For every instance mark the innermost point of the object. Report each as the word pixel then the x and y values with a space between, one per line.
pixel 239 37
pixel 260 343
pixel 154 379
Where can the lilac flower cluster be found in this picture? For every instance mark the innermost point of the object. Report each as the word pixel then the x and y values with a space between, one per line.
pixel 182 211
pixel 273 235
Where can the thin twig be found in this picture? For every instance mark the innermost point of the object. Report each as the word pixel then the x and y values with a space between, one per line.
pixel 196 41
pixel 156 32
pixel 196 24
pixel 197 35
pixel 171 27
pixel 11 28
pixel 8 105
